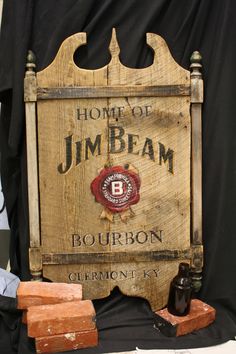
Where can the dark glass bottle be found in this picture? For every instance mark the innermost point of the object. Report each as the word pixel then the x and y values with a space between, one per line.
pixel 180 292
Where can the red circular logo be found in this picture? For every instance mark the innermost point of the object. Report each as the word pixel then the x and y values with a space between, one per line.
pixel 116 188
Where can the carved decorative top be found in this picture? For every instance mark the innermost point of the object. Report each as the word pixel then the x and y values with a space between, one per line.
pixel 163 71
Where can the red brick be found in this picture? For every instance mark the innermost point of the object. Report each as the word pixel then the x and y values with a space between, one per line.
pixel 31 293
pixel 46 320
pixel 200 316
pixel 67 341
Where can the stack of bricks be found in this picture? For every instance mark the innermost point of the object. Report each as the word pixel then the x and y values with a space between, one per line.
pixel 57 317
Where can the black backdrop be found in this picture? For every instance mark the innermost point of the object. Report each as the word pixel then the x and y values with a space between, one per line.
pixel 187 25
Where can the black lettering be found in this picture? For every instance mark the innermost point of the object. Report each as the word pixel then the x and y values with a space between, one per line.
pixel 116 238
pixel 166 156
pixel 103 275
pixel 132 274
pixel 129 238
pixel 113 275
pixel 94 113
pixel 148 149
pixel 76 241
pixel 106 275
pixel 72 276
pixel 88 240
pixel 79 277
pixel 84 114
pixel 131 143
pixel 87 276
pixel 139 238
pixel 137 111
pixel 95 276
pixel 68 153
pixel 92 147
pixel 124 274
pixel 78 147
pixel 114 137
pixel 156 272
pixel 100 239
pixel 150 273
pixel 146 273
pixel 120 111
pixel 148 110
pixel 108 112
pixel 156 236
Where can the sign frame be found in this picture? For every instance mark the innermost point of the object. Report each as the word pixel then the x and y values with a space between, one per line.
pixel 35 93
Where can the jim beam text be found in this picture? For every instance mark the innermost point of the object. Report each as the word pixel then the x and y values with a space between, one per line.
pixel 118 141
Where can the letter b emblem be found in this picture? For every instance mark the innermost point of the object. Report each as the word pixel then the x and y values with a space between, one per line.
pixel 117 188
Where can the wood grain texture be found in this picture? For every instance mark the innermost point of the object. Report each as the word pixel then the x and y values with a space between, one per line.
pixel 31 138
pixel 115 257
pixel 32 155
pixel 113 91
pixel 147 129
pixel 196 167
pixel 196 173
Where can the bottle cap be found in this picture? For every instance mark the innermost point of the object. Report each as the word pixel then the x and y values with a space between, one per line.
pixel 184 269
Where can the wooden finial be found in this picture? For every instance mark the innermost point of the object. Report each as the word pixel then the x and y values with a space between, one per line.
pixel 30 78
pixel 114 46
pixel 196 57
pixel 30 61
pixel 196 65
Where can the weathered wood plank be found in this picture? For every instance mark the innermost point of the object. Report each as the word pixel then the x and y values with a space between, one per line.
pixel 35 259
pixel 196 115
pixel 32 168
pixel 112 91
pixel 116 257
pixel 196 174
pixel 196 167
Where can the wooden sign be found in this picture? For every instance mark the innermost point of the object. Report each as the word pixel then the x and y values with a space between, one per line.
pixel 118 201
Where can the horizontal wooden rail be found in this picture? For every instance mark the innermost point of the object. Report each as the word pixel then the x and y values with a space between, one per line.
pixel 116 257
pixel 112 91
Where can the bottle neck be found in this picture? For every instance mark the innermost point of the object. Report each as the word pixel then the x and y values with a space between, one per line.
pixel 183 270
